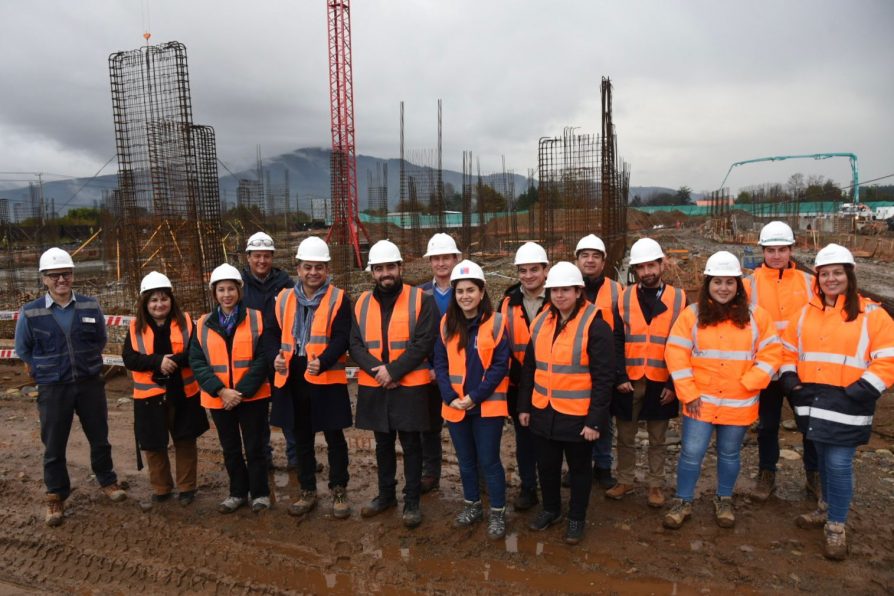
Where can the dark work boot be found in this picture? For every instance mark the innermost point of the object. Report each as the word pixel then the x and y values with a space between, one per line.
pixel 378 505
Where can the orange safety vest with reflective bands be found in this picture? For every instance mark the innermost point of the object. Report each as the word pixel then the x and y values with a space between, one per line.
pixel 644 344
pixel 780 295
pixel 143 385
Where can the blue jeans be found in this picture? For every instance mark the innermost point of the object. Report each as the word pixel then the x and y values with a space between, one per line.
pixel 477 442
pixel 836 468
pixel 694 444
pixel 602 448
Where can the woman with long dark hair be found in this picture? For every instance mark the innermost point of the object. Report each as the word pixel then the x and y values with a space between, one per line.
pixel 720 354
pixel 165 392
pixel 838 360
pixel 471 367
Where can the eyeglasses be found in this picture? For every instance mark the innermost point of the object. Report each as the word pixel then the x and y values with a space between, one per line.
pixel 261 242
pixel 66 275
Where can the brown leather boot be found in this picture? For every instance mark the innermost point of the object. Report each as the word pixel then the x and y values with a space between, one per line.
pixel 836 541
pixel 55 510
pixel 618 491
pixel 656 497
pixel 766 484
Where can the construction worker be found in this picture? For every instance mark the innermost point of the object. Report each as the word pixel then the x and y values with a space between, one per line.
pixel 166 394
pixel 443 255
pixel 229 361
pixel 720 354
pixel 472 364
pixel 394 331
pixel 781 289
pixel 521 304
pixel 604 293
pixel 314 323
pixel 838 360
pixel 262 283
pixel 565 393
pixel 60 336
pixel 648 310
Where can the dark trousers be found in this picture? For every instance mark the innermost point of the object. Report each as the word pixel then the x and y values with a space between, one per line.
pixel 525 456
pixel 476 440
pixel 336 445
pixel 244 426
pixel 57 405
pixel 432 450
pixel 770 413
pixel 386 462
pixel 579 455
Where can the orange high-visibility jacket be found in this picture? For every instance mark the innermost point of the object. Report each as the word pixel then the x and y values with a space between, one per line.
pixel 517 330
pixel 490 332
pixel 230 368
pixel 143 385
pixel 609 294
pixel 562 368
pixel 401 329
pixel 318 340
pixel 780 293
pixel 644 344
pixel 822 347
pixel 724 365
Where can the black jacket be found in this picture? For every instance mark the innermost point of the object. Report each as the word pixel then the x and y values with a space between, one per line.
pixel 832 414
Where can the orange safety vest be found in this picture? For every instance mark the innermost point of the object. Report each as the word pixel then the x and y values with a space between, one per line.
pixel 517 330
pixel 143 385
pixel 401 329
pixel 236 363
pixel 780 295
pixel 562 369
pixel 644 344
pixel 724 365
pixel 318 340
pixel 490 332
pixel 607 300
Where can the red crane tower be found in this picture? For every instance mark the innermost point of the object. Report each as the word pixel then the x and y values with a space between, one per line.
pixel 345 212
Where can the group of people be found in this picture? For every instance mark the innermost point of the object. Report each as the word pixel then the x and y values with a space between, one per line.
pixel 573 357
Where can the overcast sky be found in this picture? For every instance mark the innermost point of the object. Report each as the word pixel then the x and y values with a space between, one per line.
pixel 697 84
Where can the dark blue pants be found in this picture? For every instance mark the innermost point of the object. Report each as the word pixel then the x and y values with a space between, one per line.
pixel 525 456
pixel 386 464
pixel 602 448
pixel 57 405
pixel 770 413
pixel 432 450
pixel 303 434
pixel 579 455
pixel 244 426
pixel 476 440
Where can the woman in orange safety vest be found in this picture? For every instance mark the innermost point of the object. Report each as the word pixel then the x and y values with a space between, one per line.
pixel 564 395
pixel 720 354
pixel 166 395
pixel 229 360
pixel 471 366
pixel 838 360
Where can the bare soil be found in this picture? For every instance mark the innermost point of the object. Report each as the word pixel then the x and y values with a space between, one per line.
pixel 107 548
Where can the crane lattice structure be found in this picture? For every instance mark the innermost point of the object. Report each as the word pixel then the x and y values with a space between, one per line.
pixel 851 156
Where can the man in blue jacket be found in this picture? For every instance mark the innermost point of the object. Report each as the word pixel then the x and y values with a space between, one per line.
pixel 61 336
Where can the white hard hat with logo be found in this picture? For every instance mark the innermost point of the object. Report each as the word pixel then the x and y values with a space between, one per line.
pixel 834 254
pixel 590 242
pixel 442 244
pixel 259 241
pixel 776 233
pixel 55 258
pixel 564 274
pixel 466 270
pixel 723 264
pixel 530 253
pixel 383 251
pixel 225 272
pixel 155 281
pixel 313 249
pixel 645 250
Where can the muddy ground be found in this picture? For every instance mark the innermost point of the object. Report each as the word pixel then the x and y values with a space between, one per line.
pixel 107 548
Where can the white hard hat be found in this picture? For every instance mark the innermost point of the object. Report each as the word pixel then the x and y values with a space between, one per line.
pixel 225 271
pixel 834 254
pixel 590 242
pixel 530 253
pixel 55 258
pixel 442 244
pixel 564 274
pixel 259 241
pixel 384 251
pixel 155 281
pixel 776 233
pixel 466 270
pixel 723 264
pixel 645 250
pixel 313 248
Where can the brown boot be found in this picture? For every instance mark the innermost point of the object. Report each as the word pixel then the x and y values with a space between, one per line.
pixel 766 484
pixel 341 509
pixel 307 500
pixel 114 492
pixel 723 512
pixel 656 497
pixel 618 491
pixel 836 541
pixel 55 510
pixel 815 519
pixel 679 512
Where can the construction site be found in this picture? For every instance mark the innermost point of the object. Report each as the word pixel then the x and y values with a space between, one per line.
pixel 166 215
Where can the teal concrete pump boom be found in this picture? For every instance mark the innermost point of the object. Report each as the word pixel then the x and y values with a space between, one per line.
pixel 851 156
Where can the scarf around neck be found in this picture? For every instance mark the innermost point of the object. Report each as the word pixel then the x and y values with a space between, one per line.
pixel 304 318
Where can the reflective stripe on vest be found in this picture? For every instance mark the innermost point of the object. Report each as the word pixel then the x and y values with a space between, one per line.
pixel 143 385
pixel 489 334
pixel 517 331
pixel 833 416
pixel 645 351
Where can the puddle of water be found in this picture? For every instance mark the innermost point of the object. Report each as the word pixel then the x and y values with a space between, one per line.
pixel 539 550
pixel 405 554
pixel 281 479
pixel 512 543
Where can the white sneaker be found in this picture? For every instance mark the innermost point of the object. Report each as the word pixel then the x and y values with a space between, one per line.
pixel 230 504
pixel 260 504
